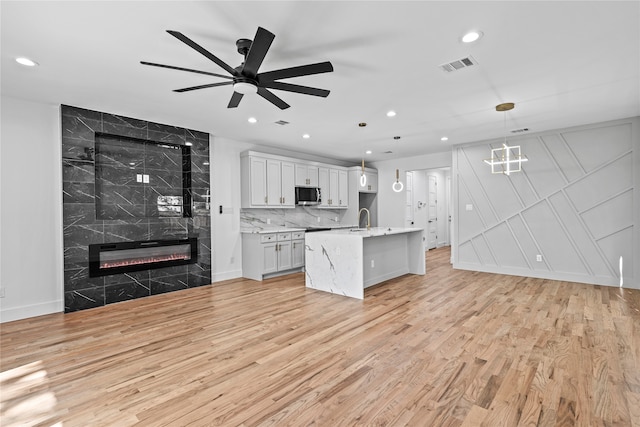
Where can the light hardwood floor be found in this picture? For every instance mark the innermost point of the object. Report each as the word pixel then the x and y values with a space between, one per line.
pixel 452 348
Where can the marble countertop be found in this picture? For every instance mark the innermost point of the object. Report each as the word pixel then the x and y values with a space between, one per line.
pixel 290 229
pixel 373 232
pixel 272 230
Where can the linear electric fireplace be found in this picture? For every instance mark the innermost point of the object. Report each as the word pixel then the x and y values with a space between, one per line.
pixel 125 257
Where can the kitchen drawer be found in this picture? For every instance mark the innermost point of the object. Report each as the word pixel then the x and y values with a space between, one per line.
pixel 266 238
pixel 284 236
pixel 297 235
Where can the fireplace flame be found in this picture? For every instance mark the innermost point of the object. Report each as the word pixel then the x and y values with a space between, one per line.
pixel 144 260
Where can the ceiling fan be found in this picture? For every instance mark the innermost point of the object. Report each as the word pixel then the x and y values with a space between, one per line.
pixel 245 78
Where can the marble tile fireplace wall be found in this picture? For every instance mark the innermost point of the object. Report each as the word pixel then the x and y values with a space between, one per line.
pixel 103 156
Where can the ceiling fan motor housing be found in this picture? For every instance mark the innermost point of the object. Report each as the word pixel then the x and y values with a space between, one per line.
pixel 245 78
pixel 243 46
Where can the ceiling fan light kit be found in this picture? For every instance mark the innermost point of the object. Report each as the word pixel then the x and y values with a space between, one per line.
pixel 245 88
pixel 245 78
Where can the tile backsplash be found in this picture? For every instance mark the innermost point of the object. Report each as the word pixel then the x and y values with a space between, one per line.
pixel 301 216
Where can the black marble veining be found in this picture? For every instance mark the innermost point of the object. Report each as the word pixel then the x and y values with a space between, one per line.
pixel 102 154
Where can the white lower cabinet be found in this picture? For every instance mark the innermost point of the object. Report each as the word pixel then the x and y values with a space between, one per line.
pixel 269 254
pixel 297 249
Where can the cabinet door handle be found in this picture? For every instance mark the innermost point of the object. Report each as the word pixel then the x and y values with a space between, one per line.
pixel 340 202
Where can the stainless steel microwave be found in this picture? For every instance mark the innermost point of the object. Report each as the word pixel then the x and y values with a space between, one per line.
pixel 308 196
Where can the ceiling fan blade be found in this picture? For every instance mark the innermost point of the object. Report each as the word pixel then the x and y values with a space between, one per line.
pixel 235 100
pixel 171 67
pixel 302 70
pixel 186 40
pixel 297 89
pixel 259 47
pixel 272 98
pixel 187 89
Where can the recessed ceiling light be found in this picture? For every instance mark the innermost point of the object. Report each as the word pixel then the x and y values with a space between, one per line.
pixel 368 152
pixel 252 120
pixel 26 62
pixel 188 144
pixel 444 138
pixel 306 136
pixel 205 163
pixel 391 113
pixel 471 36
pixel 362 124
pixel 396 137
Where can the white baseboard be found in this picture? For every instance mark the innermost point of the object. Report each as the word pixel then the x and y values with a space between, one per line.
pixel 566 277
pixel 33 310
pixel 226 275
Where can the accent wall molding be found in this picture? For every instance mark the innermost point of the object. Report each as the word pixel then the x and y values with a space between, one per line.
pixel 569 215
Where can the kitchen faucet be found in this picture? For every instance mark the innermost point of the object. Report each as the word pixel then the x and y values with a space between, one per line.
pixel 368 217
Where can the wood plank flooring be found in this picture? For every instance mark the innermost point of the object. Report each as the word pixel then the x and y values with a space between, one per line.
pixel 452 348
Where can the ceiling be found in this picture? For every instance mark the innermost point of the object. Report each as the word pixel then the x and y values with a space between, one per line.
pixel 562 64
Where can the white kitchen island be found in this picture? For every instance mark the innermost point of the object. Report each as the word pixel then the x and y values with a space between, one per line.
pixel 345 262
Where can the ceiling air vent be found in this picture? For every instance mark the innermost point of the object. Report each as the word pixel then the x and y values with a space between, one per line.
pixel 281 122
pixel 458 64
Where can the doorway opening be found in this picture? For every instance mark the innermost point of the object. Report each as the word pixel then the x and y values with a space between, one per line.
pixel 428 205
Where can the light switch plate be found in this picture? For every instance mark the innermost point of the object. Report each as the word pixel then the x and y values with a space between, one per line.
pixel 145 178
pixel 139 177
pixel 469 207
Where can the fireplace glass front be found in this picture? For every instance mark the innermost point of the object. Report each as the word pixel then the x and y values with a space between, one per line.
pixel 124 257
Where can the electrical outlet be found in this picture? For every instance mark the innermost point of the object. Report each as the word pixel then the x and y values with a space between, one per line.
pixel 338 251
pixel 373 264
pixel 539 258
pixel 318 219
pixel 268 221
pixel 335 219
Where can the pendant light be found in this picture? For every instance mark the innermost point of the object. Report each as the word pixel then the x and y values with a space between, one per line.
pixel 397 186
pixel 507 159
pixel 363 177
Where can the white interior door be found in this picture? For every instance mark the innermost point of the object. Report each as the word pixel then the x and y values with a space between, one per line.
pixel 432 215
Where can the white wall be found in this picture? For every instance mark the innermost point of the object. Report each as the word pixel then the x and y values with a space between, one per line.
pixel 575 203
pixel 31 273
pixel 225 190
pixel 391 205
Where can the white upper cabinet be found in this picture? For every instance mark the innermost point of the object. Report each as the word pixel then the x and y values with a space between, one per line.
pixel 306 175
pixel 371 186
pixel 334 188
pixel 343 188
pixel 267 183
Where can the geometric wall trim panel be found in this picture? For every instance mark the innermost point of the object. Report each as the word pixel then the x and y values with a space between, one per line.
pixel 570 214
